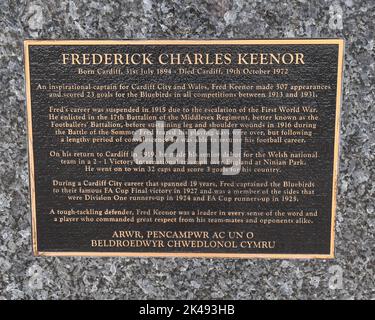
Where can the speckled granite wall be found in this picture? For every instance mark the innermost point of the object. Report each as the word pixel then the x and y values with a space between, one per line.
pixel 23 276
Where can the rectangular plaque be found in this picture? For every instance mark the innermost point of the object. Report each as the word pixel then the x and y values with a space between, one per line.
pixel 189 148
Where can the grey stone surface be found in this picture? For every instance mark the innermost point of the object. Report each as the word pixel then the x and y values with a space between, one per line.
pixel 23 276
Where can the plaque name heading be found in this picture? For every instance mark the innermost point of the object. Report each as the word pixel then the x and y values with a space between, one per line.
pixel 181 58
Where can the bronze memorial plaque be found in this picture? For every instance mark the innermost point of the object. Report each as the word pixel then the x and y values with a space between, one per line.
pixel 188 148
